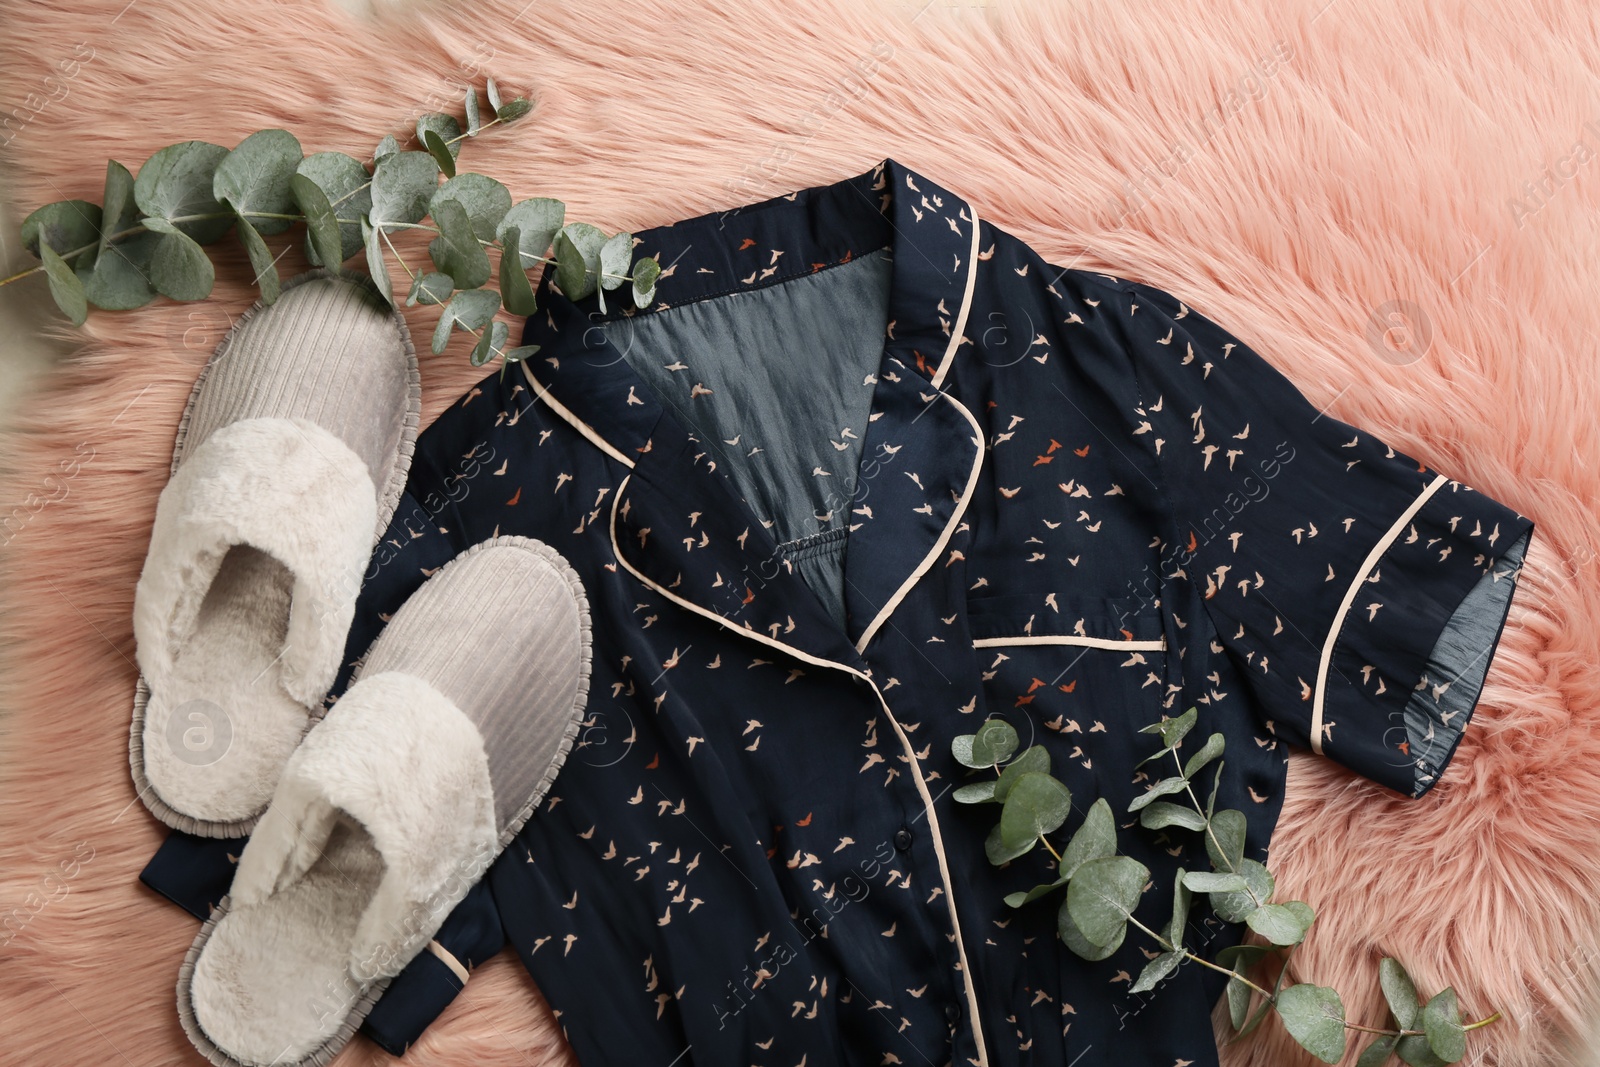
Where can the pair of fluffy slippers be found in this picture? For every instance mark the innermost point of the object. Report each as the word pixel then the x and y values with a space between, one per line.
pixel 368 823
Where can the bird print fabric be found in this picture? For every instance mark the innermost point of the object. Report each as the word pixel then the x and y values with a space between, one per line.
pixel 869 472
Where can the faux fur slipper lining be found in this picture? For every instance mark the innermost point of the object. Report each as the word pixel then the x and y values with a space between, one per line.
pixel 387 498
pixel 460 717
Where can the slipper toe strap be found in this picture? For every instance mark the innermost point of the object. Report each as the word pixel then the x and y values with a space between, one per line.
pixel 289 488
pixel 410 766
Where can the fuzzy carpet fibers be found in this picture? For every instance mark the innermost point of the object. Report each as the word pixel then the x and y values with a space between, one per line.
pixel 1396 203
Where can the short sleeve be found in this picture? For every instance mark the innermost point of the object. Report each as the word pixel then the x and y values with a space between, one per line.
pixel 1361 593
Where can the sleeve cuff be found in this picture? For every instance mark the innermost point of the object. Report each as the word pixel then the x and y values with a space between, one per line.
pixel 1418 635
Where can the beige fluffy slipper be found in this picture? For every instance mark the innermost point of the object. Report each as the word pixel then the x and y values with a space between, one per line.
pixel 290 460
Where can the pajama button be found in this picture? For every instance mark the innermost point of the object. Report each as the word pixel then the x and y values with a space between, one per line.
pixel 902 839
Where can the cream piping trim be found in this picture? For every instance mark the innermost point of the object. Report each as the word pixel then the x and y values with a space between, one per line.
pixel 966 304
pixel 905 743
pixel 578 424
pixel 450 960
pixel 1367 564
pixel 1072 639
pixel 944 538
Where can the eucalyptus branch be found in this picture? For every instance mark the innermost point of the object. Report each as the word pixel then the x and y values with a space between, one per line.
pixel 147 238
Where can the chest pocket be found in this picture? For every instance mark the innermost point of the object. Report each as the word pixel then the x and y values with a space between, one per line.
pixel 1077 674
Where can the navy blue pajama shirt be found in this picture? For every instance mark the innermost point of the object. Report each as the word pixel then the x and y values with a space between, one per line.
pixel 869 472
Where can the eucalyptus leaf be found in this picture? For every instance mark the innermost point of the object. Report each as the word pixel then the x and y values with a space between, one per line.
pixel 1279 923
pixel 179 268
pixel 645 273
pixel 487 202
pixel 520 353
pixel 994 742
pixel 348 188
pixel 1095 839
pixel 1416 1051
pixel 120 278
pixel 1239 959
pixel 975 793
pixel 1208 752
pixel 1377 1054
pixel 176 183
pixel 1155 971
pixel 261 261
pixel 1102 895
pixel 447 129
pixel 1036 805
pixel 577 248
pixel 119 211
pixel 1000 853
pixel 440 153
pixel 1072 937
pixel 539 220
pixel 473 123
pixel 491 342
pixel 1182 901
pixel 430 287
pixel 1162 814
pixel 492 91
pixel 372 239
pixel 615 255
pixel 1400 992
pixel 64 225
pixel 473 308
pixel 1034 761
pixel 1314 1016
pixel 386 148
pixel 1239 996
pixel 1441 1021
pixel 322 226
pixel 253 179
pixel 1225 839
pixel 1216 784
pixel 512 110
pixel 65 287
pixel 1212 882
pixel 456 250
pixel 1173 730
pixel 1017 900
pixel 1236 906
pixel 402 186
pixel 1165 787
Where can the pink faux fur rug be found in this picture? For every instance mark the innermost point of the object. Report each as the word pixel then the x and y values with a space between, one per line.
pixel 1293 169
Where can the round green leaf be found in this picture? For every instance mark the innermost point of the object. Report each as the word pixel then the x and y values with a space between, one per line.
pixel 348 187
pixel 430 287
pixel 65 287
pixel 1225 841
pixel 1441 1021
pixel 402 186
pixel 372 240
pixel 1165 787
pixel 119 212
pixel 1377 1054
pixel 254 178
pixel 386 148
pixel 1103 894
pixel 1173 730
pixel 976 793
pixel 1314 1016
pixel 1037 805
pixel 440 153
pixel 1280 923
pixel 1017 900
pixel 1400 992
pixel 1095 839
pixel 1162 814
pixel 456 250
pixel 1000 853
pixel 64 225
pixel 1034 761
pixel 1211 882
pixel 1081 946
pixel 179 268
pixel 516 291
pixel 645 273
pixel 520 353
pixel 577 248
pixel 322 227
pixel 176 183
pixel 1416 1051
pixel 445 126
pixel 120 279
pixel 486 200
pixel 994 742
pixel 1182 900
pixel 491 342
pixel 1236 906
pixel 473 308
pixel 615 255
pixel 512 110
pixel 539 219
pixel 1156 970
pixel 1208 752
pixel 261 261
